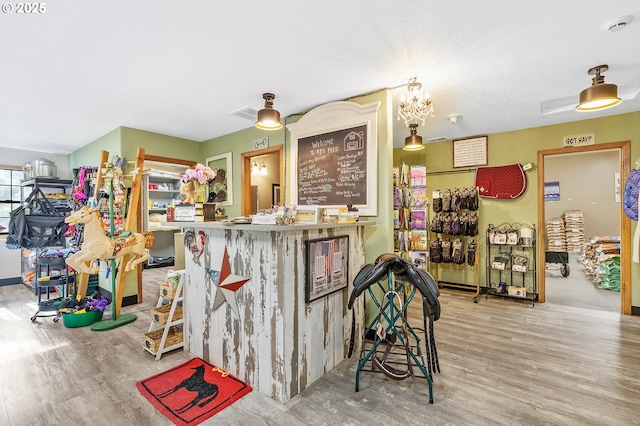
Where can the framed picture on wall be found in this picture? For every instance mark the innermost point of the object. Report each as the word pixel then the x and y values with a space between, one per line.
pixel 221 189
pixel 308 214
pixel 275 194
pixel 470 152
pixel 327 266
pixel 552 191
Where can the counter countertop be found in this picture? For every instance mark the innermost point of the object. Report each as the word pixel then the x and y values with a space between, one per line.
pixel 251 227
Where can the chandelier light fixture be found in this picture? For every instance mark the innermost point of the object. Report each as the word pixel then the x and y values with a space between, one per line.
pixel 268 117
pixel 413 142
pixel 599 95
pixel 417 106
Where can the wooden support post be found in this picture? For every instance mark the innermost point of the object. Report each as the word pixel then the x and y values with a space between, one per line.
pixel 132 216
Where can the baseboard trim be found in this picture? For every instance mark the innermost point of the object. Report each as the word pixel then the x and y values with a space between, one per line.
pixel 10 281
pixel 130 300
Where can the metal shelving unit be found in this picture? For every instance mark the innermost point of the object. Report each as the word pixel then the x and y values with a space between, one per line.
pixel 53 185
pixel 509 274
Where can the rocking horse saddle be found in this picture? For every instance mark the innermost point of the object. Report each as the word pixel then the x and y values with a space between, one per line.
pixel 404 271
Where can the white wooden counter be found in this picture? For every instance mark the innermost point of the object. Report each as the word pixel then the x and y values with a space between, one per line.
pixel 278 343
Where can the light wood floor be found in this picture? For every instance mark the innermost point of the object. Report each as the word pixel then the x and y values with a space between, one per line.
pixel 502 362
pixel 577 289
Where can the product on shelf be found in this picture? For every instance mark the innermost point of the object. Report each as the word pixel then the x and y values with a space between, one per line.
pixel 455 215
pixel 511 261
pixel 410 216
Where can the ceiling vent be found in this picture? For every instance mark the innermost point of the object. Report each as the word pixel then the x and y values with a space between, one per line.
pixel 249 113
pixel 619 24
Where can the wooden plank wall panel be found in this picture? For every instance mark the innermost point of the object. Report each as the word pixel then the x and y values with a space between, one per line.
pixel 277 343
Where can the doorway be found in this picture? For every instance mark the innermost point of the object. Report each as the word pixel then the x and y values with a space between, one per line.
pixel 623 151
pixel 161 186
pixel 262 179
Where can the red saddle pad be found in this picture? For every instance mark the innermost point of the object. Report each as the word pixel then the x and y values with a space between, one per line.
pixel 505 182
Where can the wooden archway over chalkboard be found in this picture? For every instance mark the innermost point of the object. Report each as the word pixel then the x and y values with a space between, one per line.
pixel 334 151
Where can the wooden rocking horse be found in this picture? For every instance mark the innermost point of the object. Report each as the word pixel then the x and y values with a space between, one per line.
pixel 97 245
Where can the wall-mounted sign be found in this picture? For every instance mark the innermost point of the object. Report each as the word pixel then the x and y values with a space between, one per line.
pixel 552 191
pixel 579 140
pixel 261 143
pixel 470 152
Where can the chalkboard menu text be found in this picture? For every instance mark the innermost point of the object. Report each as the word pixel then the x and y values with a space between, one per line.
pixel 332 167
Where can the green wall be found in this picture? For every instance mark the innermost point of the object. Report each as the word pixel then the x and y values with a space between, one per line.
pixel 378 238
pixel 159 145
pixel 242 142
pixel 503 148
pixel 89 155
pixel 124 142
pixel 522 146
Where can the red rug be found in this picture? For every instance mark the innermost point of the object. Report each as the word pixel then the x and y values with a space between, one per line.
pixel 192 392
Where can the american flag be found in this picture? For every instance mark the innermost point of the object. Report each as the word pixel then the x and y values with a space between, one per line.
pixel 328 250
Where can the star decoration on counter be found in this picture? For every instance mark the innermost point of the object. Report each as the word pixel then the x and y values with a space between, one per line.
pixel 227 284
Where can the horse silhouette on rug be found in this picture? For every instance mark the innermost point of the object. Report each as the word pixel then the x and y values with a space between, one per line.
pixel 206 392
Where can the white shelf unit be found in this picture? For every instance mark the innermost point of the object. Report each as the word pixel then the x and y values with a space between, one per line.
pixel 168 190
pixel 175 301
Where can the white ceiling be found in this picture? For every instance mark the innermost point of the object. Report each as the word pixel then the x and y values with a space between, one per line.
pixel 81 69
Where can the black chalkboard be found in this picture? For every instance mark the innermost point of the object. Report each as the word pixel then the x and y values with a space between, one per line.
pixel 332 168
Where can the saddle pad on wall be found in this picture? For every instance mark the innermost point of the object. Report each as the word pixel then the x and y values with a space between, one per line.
pixel 505 182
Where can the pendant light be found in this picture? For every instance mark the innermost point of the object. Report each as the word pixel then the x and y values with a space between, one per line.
pixel 413 142
pixel 600 95
pixel 268 118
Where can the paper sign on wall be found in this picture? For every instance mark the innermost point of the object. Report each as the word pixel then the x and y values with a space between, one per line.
pixel 579 140
pixel 261 143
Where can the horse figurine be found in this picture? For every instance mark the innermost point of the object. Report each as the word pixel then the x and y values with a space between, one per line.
pixel 97 245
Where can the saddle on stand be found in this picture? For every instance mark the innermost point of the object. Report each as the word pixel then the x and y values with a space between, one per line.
pixel 391 331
